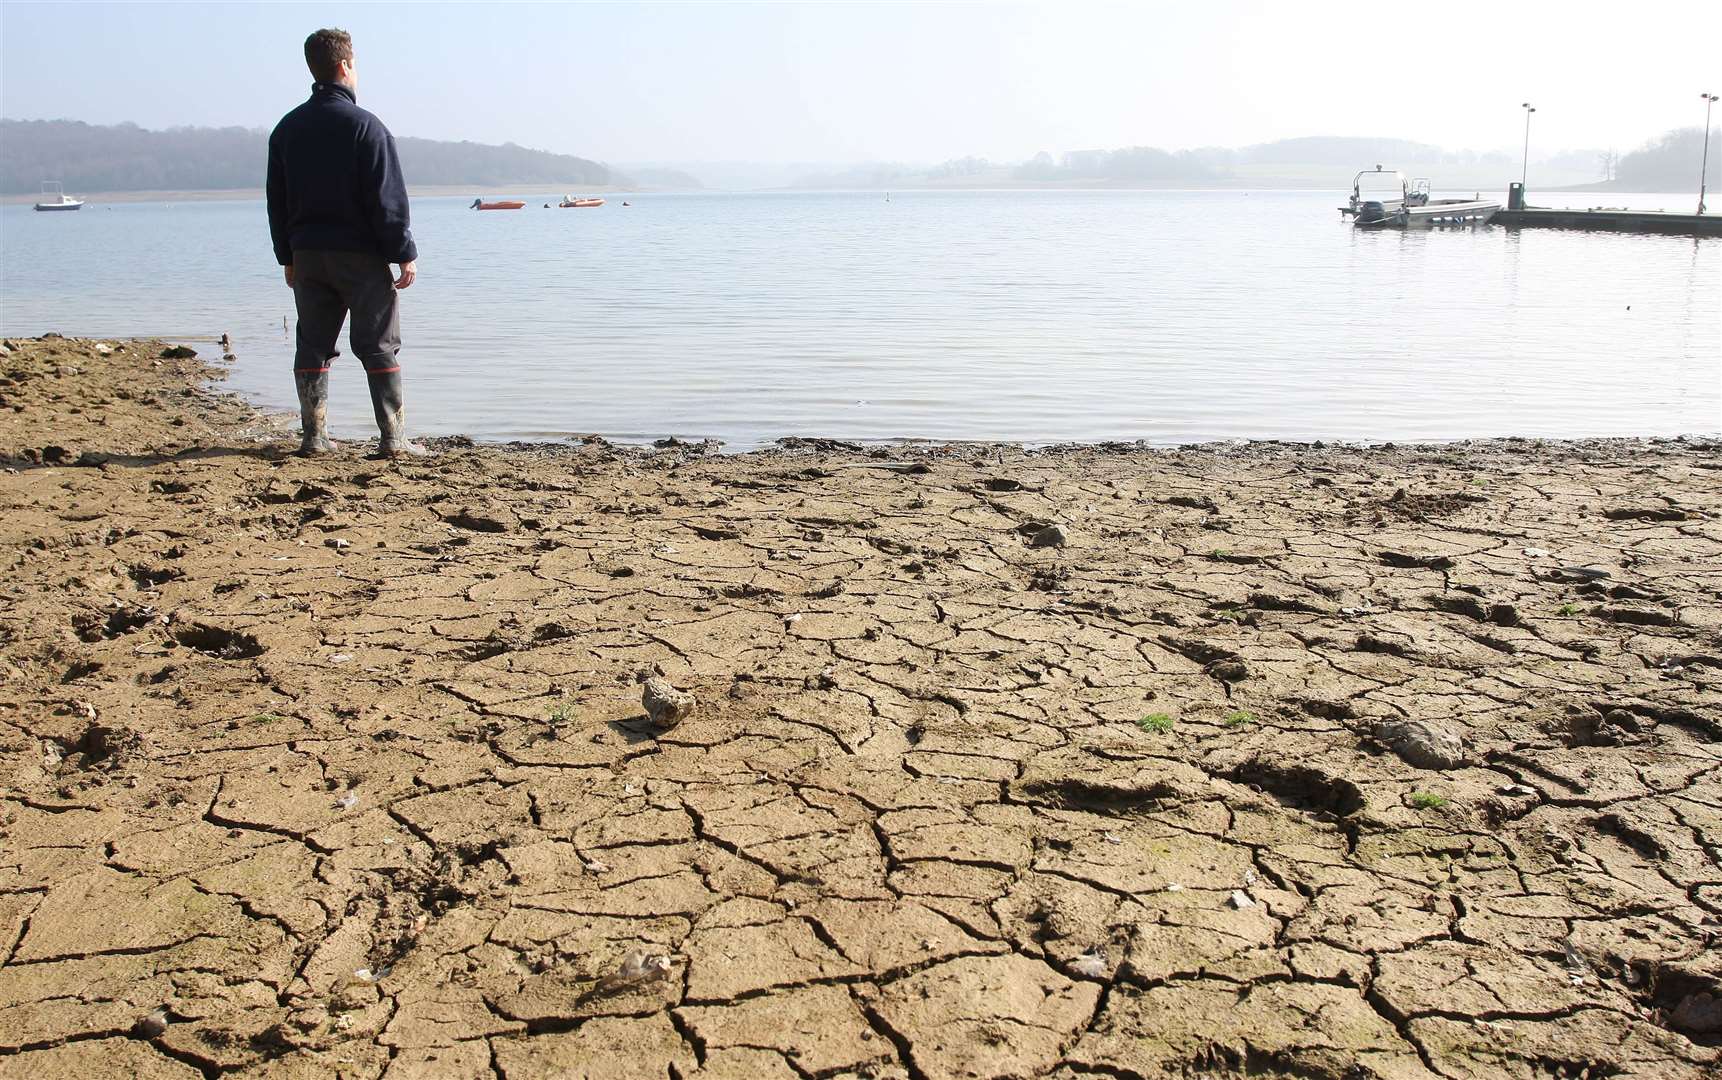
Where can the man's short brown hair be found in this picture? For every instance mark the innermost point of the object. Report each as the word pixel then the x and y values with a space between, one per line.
pixel 324 52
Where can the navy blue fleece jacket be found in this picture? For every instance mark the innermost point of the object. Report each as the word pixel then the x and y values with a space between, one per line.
pixel 335 182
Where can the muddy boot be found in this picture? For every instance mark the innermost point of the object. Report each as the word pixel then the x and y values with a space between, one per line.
pixel 391 418
pixel 313 412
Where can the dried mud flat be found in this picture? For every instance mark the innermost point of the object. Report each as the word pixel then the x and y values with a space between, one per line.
pixel 1286 761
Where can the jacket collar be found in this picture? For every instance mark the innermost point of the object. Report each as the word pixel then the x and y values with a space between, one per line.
pixel 333 88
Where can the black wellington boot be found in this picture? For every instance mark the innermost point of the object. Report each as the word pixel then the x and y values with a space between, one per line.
pixel 391 418
pixel 313 387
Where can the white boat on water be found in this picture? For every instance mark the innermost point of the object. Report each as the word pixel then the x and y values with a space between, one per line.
pixel 54 197
pixel 1410 206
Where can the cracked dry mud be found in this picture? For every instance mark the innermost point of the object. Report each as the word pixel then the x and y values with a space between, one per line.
pixel 952 804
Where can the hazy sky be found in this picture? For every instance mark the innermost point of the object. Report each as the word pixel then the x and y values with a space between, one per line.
pixel 910 82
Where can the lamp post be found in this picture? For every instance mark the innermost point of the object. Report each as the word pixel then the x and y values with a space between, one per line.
pixel 1525 166
pixel 1704 169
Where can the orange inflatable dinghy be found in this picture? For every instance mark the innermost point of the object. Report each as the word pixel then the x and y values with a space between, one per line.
pixel 506 204
pixel 566 203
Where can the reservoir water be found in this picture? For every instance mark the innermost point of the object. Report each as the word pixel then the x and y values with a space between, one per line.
pixel 1025 316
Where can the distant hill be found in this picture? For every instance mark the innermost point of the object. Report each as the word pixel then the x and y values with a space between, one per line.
pixel 1669 163
pixel 1130 166
pixel 1135 166
pixel 664 179
pixel 1341 152
pixel 1312 162
pixel 125 157
pixel 1666 164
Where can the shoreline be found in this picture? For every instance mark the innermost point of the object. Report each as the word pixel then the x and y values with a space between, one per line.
pixel 539 191
pixel 1377 761
pixel 284 419
pixel 256 194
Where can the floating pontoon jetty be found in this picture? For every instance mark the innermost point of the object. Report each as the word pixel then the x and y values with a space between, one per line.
pixel 1603 219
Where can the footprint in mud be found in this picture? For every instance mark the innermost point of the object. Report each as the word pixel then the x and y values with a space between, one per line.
pixel 100 746
pixel 94 626
pixel 1298 786
pixel 1097 797
pixel 151 577
pixel 1646 513
pixel 221 643
pixel 1688 998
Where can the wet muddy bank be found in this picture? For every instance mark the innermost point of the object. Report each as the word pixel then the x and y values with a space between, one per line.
pixel 1262 759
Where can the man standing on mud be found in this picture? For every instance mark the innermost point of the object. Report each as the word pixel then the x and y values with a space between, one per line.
pixel 338 217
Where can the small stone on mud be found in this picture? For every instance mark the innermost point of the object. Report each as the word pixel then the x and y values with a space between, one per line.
pixel 1240 899
pixel 1091 964
pixel 1422 744
pixel 337 543
pixel 666 705
pixel 1051 536
pixel 639 966
pixel 151 1024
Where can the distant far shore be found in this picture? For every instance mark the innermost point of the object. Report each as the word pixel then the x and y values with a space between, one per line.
pixel 539 191
pixel 224 194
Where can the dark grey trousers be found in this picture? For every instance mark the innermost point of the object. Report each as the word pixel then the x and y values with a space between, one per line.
pixel 329 284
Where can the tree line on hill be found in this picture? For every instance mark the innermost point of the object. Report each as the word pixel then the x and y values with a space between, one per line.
pixel 1667 163
pixel 125 157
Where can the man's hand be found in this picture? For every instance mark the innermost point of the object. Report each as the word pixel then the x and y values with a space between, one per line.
pixel 288 269
pixel 409 274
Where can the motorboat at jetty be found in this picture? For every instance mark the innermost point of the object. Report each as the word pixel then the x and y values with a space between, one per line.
pixel 54 197
pixel 500 204
pixel 1411 207
pixel 582 202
